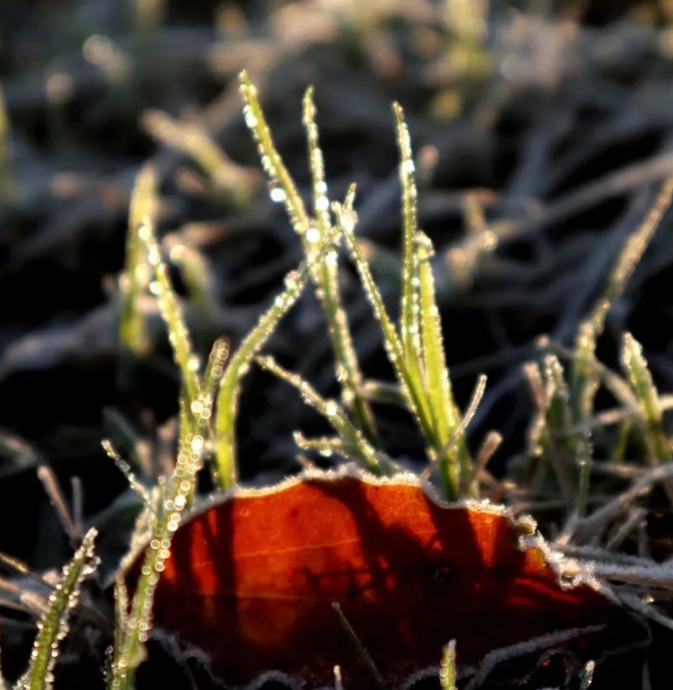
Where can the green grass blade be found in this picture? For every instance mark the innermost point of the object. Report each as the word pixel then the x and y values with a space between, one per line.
pixel 412 390
pixel 634 363
pixel 326 446
pixel 447 667
pixel 592 328
pixel 196 273
pixel 176 496
pixel 136 276
pixel 584 382
pixel 283 187
pixel 53 626
pixel 409 307
pixel 327 282
pixel 333 413
pixel 227 178
pixel 171 312
pixel 454 461
pixel 214 372
pixel 239 363
pixel 121 597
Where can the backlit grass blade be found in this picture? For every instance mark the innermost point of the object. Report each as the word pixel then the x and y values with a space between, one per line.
pixel 454 459
pixel 584 382
pixel 239 364
pixel 191 139
pixel 333 413
pixel 136 276
pixel 416 400
pixel 282 186
pixel 171 311
pixel 196 273
pixel 327 282
pixel 409 306
pixel 176 495
pixel 651 419
pixel 53 626
pixel 409 323
pixel 447 667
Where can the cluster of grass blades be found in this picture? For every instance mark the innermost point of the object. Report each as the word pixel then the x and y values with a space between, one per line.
pixel 560 438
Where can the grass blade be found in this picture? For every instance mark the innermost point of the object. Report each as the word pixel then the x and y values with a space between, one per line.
pixel 416 400
pixel 239 363
pixel 326 277
pixel 409 307
pixel 282 186
pixel 651 418
pixel 136 275
pixel 176 495
pixel 53 626
pixel 171 311
pixel 454 459
pixel 333 413
pixel 584 382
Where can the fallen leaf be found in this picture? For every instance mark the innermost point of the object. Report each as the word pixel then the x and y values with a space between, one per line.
pixel 252 579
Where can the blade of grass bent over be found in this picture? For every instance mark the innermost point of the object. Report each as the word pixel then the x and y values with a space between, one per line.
pixel 239 363
pixel 332 411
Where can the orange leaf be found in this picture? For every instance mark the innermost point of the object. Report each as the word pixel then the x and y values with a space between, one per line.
pixel 251 581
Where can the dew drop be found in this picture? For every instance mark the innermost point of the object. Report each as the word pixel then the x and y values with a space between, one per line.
pixel 313 234
pixel 277 195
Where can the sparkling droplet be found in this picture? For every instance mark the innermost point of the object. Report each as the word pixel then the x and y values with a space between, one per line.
pixel 277 195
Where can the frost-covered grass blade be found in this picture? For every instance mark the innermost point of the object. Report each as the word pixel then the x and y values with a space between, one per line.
pixel 53 626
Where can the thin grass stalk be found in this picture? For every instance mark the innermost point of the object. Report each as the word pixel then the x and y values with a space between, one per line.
pixel 326 446
pixel 193 140
pixel 453 458
pixel 409 306
pixel 283 187
pixel 416 400
pixel 584 382
pixel 447 667
pixel 327 284
pixel 171 311
pixel 333 413
pixel 136 275
pixel 53 626
pixel 239 364
pixel 177 495
pixel 651 417
pixel 197 275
